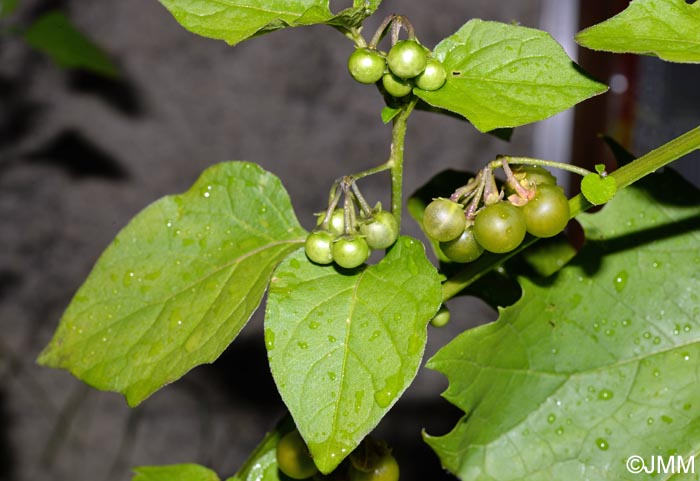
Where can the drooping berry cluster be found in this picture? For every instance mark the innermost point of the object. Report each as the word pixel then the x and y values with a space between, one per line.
pixel 476 217
pixel 344 237
pixel 407 64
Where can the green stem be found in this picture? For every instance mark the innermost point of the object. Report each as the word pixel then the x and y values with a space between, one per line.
pixel 398 137
pixel 542 163
pixel 624 176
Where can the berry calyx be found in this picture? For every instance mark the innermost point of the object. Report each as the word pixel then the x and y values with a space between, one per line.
pixel 366 65
pixel 407 59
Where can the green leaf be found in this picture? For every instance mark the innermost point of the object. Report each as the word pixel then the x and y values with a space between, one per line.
pixel 669 29
pixel 598 189
pixel 174 472
pixel 178 283
pixel 595 366
pixel 7 7
pixel 236 20
pixel 343 346
pixel 503 75
pixel 55 35
pixel 388 114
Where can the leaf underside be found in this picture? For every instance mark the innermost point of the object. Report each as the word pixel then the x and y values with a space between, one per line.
pixel 502 75
pixel 669 29
pixel 236 20
pixel 178 283
pixel 596 364
pixel 343 346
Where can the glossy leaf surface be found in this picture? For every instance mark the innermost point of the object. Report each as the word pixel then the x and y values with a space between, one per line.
pixel 669 29
pixel 178 283
pixel 595 366
pixel 343 346
pixel 236 20
pixel 502 75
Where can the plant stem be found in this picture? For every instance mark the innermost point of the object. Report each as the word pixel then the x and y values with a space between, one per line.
pixel 398 137
pixel 542 163
pixel 624 176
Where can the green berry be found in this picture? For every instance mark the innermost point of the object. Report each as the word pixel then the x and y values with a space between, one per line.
pixel 433 77
pixel 366 65
pixel 395 86
pixel 407 59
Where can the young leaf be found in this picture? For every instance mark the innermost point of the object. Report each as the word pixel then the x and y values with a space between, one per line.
pixel 503 75
pixel 178 283
pixel 236 20
pixel 174 472
pixel 669 29
pixel 388 114
pixel 598 189
pixel 55 35
pixel 343 346
pixel 597 366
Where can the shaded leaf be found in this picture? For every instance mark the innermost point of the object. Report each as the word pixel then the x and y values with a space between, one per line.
pixel 236 20
pixel 502 75
pixel 669 29
pixel 547 256
pixel 55 35
pixel 596 366
pixel 343 346
pixel 178 283
pixel 174 472
pixel 7 7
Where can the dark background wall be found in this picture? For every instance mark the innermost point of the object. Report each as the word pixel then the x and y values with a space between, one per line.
pixel 80 155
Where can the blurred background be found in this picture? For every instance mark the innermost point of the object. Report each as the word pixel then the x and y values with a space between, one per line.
pixel 81 152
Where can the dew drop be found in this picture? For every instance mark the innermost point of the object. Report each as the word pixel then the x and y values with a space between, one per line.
pixel 375 335
pixel 646 335
pixel 656 373
pixel 559 431
pixel 302 345
pixel 657 340
pixel 610 332
pixel 666 419
pixel 650 421
pixel 269 339
pixel 551 418
pixel 313 325
pixel 602 444
pixel 626 323
pixel 687 328
pixel 332 376
pixel 331 339
pixel 605 394
pixel 620 281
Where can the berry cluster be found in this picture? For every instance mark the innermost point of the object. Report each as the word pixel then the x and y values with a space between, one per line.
pixel 408 63
pixel 346 239
pixel 476 218
pixel 371 461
